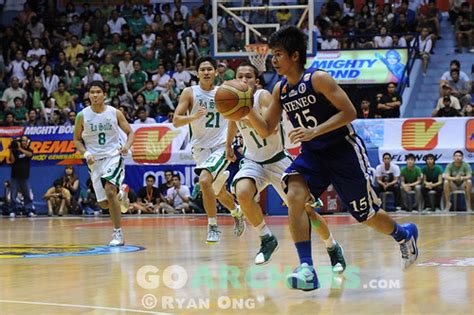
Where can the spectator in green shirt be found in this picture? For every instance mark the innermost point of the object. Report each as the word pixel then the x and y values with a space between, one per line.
pixel 223 74
pixel 105 69
pixel 116 48
pixel 411 179
pixel 19 111
pixel 457 177
pixel 432 181
pixel 150 63
pixel 136 79
pixel 137 23
pixel 151 98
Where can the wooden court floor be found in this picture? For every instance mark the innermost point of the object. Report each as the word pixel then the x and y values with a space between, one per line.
pixel 80 277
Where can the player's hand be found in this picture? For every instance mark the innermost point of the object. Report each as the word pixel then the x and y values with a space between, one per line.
pixel 123 151
pixel 201 112
pixel 229 154
pixel 90 160
pixel 301 134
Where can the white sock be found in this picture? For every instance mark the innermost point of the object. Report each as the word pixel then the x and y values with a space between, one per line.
pixel 118 229
pixel 263 229
pixel 212 221
pixel 235 212
pixel 330 242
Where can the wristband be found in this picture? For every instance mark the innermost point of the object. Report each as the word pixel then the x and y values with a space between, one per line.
pixel 87 154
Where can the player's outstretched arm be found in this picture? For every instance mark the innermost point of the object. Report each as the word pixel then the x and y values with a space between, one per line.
pixel 125 126
pixel 185 105
pixel 266 124
pixel 327 86
pixel 231 132
pixel 78 142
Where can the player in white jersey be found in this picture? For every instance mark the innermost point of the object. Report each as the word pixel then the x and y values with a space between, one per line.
pixel 265 161
pixel 208 130
pixel 97 137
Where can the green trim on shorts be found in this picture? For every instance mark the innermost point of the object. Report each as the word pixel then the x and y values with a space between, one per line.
pixel 217 165
pixel 116 172
pixel 278 157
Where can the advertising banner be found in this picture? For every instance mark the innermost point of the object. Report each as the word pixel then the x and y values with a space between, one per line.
pixel 162 144
pixel 362 66
pixel 53 145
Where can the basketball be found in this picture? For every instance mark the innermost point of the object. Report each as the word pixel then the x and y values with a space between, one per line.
pixel 234 99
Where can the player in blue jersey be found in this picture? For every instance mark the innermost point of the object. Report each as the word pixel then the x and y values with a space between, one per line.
pixel 331 152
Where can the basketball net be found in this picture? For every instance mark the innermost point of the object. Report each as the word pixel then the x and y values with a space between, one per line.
pixel 258 54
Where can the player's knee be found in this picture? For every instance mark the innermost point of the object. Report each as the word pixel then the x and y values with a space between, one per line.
pixel 205 180
pixel 110 191
pixel 296 197
pixel 104 204
pixel 244 194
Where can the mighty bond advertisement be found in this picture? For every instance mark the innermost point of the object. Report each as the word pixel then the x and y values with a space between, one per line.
pixel 362 66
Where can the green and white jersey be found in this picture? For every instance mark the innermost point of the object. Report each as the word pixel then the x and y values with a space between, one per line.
pixel 256 148
pixel 101 132
pixel 210 130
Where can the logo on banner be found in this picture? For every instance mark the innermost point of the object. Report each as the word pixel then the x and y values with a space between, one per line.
pixel 153 144
pixel 470 135
pixel 420 134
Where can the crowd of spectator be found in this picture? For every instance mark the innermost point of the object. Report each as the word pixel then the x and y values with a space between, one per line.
pixel 414 188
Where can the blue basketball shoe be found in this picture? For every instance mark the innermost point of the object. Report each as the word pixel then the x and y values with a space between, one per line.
pixel 303 278
pixel 408 246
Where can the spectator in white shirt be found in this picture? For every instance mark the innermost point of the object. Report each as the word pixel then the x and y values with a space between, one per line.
pixel 181 8
pixel 329 43
pixel 150 15
pixel 425 47
pixel 454 64
pixel 383 40
pixel 177 197
pixel 13 92
pixel 161 79
pixel 182 77
pixel 18 66
pixel 35 27
pixel 115 23
pixel 143 117
pixel 398 42
pixel 33 55
pixel 148 37
pixel 387 174
pixel 126 65
pixel 91 75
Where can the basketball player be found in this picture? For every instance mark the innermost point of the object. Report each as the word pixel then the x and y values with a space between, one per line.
pixel 331 152
pixel 97 137
pixel 208 130
pixel 264 163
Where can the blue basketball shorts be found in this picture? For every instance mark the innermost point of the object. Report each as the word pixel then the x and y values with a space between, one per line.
pixel 345 165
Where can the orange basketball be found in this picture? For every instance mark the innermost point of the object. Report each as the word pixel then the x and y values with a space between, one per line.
pixel 234 99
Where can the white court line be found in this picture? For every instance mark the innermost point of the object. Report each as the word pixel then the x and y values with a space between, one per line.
pixel 83 306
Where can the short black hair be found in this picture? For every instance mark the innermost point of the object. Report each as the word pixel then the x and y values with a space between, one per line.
pixel 429 155
pixel 58 182
pixel 455 62
pixel 410 156
pixel 209 59
pixel 141 109
pixel 176 175
pixel 248 64
pixel 387 154
pixel 292 40
pixel 458 151
pixel 151 176
pixel 98 84
pixel 169 171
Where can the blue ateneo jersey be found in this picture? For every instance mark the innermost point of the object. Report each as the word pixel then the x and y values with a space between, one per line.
pixel 307 108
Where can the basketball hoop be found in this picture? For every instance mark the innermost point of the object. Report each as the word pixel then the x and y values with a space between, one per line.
pixel 258 54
